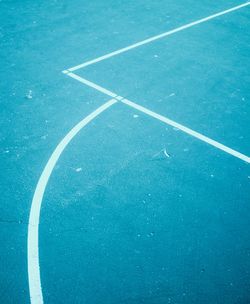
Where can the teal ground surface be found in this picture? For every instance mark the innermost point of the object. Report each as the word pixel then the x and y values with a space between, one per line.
pixel 129 226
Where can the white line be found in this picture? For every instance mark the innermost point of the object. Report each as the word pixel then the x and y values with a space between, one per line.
pixel 162 118
pixel 188 131
pixel 92 85
pixel 36 296
pixel 168 33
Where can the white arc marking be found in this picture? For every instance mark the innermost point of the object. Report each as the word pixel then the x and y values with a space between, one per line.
pixel 36 296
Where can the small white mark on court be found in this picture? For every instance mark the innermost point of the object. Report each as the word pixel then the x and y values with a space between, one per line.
pixel 78 169
pixel 171 95
pixel 29 95
pixel 166 153
pixel 151 234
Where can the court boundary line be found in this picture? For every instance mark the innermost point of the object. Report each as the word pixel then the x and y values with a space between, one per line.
pixel 34 277
pixel 162 118
pixel 156 37
pixel 186 130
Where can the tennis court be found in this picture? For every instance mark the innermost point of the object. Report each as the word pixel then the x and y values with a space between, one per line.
pixel 125 152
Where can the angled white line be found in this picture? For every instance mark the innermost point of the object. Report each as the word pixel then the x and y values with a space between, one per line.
pixel 163 119
pixel 36 295
pixel 168 33
pixel 187 130
pixel 92 85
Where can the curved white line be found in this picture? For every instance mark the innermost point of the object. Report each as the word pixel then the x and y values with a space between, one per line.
pixel 35 289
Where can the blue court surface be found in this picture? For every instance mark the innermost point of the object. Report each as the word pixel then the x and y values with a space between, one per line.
pixel 125 151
